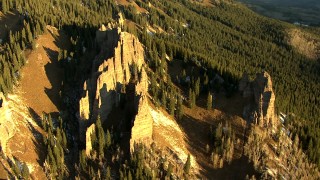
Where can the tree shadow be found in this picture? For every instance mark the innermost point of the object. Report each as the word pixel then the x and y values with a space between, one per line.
pixel 197 136
pixel 38 143
pixel 35 116
pixel 55 76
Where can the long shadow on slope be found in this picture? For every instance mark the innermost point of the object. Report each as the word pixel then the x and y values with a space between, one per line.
pixel 55 75
pixel 197 137
pixel 37 136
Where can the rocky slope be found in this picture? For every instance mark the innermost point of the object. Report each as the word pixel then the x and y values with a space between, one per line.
pixel 20 136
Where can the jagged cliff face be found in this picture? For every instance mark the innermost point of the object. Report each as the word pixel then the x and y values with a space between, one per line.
pixel 264 98
pixel 122 67
pixel 115 72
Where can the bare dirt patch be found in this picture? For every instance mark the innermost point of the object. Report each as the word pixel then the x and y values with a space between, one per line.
pixel 41 81
pixel 305 43
pixel 38 91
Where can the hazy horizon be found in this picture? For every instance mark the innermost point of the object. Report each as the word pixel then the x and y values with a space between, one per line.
pixel 303 11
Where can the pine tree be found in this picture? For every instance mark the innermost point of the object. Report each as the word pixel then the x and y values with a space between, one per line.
pixel 172 103
pixel 163 99
pixel 25 171
pixel 192 98
pixel 108 174
pixel 197 87
pixel 108 139
pixel 101 138
pixel 179 108
pixel 187 165
pixel 5 6
pixel 209 101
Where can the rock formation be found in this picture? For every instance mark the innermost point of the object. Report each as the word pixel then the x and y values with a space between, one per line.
pixel 112 71
pixel 264 98
pixel 141 130
pixel 89 132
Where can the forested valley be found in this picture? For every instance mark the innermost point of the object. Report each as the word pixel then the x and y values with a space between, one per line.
pixel 224 40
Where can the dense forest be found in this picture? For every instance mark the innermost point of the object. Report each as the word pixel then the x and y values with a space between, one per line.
pixel 226 40
pixel 223 40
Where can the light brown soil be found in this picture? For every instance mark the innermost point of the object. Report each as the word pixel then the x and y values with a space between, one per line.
pixel 39 90
pixel 41 81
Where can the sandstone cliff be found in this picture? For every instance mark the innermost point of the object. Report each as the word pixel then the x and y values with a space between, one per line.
pixel 112 72
pixel 264 98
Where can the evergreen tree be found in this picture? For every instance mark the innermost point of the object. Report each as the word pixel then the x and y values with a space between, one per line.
pixel 172 103
pixel 5 7
pixel 209 101
pixel 108 139
pixel 187 165
pixel 179 108
pixel 101 138
pixel 108 173
pixel 192 98
pixel 163 99
pixel 197 87
pixel 25 171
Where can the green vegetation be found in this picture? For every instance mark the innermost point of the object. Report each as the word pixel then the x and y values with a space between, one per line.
pixel 230 39
pixel 56 143
pixel 214 46
pixel 223 139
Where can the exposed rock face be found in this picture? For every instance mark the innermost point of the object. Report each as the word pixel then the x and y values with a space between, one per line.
pixel 18 132
pixel 141 130
pixel 84 104
pixel 89 132
pixel 6 129
pixel 264 98
pixel 116 71
pixel 261 90
pixel 113 70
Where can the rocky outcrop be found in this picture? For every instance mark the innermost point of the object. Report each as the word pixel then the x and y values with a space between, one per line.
pixel 116 71
pixel 106 33
pixel 264 98
pixel 113 72
pixel 89 132
pixel 6 127
pixel 141 130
